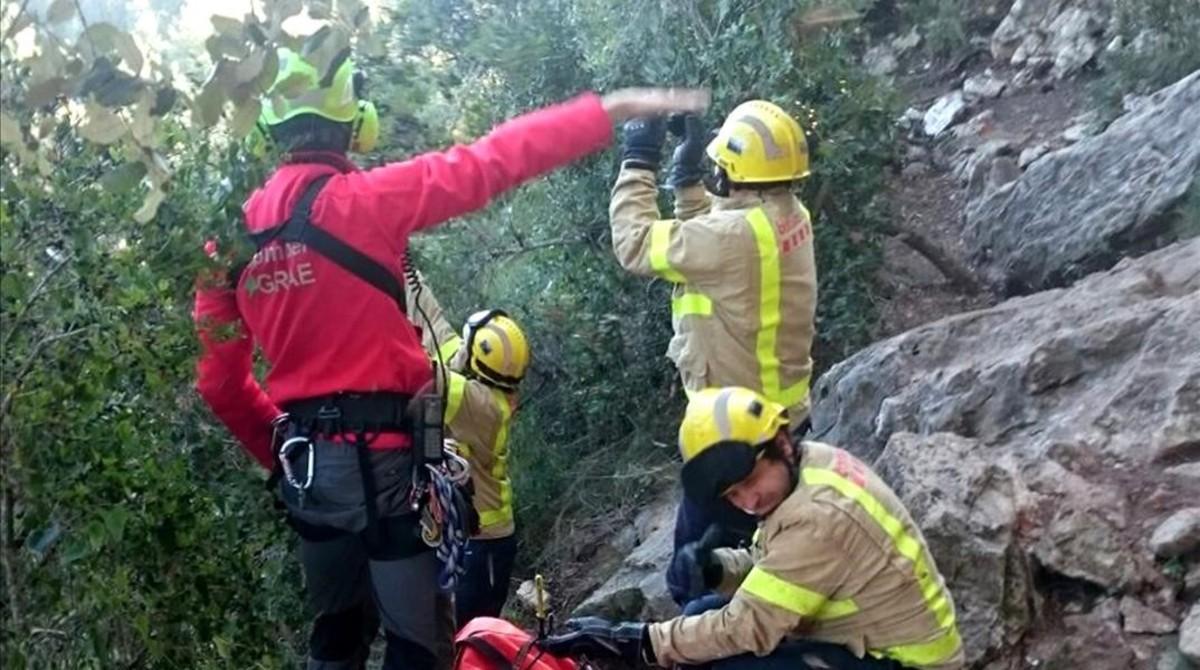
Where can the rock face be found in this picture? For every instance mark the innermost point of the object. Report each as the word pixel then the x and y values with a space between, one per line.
pixel 1030 441
pixel 1076 210
pixel 638 589
pixel 1178 535
pixel 1063 35
pixel 1189 635
pixel 947 111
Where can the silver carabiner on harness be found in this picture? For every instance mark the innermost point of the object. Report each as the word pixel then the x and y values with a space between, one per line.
pixel 285 461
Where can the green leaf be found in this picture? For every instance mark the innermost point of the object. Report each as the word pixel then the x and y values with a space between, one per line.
pixel 123 177
pixel 250 67
pixel 227 26
pixel 211 99
pixel 60 10
pixel 101 126
pixel 320 9
pixel 142 125
pixel 44 92
pixel 292 85
pixel 149 208
pixel 128 50
pixel 10 130
pixel 244 118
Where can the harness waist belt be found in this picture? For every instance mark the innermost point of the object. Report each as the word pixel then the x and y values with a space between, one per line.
pixel 352 413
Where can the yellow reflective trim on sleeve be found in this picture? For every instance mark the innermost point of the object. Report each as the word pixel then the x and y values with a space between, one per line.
pixel 504 513
pixel 926 653
pixel 907 546
pixel 691 303
pixel 448 348
pixel 454 395
pixel 795 598
pixel 660 243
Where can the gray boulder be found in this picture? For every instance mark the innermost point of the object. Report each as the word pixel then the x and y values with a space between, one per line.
pixel 1063 34
pixel 1030 441
pixel 638 588
pixel 1082 208
pixel 1189 635
pixel 963 496
pixel 1178 535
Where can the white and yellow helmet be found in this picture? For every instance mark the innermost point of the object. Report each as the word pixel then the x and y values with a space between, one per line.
pixel 760 143
pixel 496 349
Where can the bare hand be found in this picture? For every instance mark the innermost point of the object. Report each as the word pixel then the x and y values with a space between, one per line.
pixel 628 103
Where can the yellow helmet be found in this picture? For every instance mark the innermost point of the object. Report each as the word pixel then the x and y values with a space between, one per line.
pixel 723 433
pixel 300 88
pixel 758 143
pixel 497 351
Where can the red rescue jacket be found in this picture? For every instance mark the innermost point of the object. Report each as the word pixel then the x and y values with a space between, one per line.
pixel 323 330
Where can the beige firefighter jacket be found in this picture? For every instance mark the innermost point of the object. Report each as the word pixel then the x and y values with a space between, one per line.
pixel 840 561
pixel 745 283
pixel 478 417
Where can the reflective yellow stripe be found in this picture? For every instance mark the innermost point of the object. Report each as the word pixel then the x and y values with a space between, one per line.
pixel 660 242
pixel 910 548
pixel 794 394
pixel 449 348
pixel 504 513
pixel 495 517
pixel 691 303
pixel 768 313
pixel 795 598
pixel 926 653
pixel 454 395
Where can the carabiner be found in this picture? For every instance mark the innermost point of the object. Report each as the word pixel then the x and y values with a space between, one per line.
pixel 285 461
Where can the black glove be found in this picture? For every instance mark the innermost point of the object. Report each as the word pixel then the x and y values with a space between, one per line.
pixel 600 638
pixel 693 565
pixel 643 142
pixel 687 169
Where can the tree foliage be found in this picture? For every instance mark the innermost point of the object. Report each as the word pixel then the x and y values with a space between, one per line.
pixel 134 533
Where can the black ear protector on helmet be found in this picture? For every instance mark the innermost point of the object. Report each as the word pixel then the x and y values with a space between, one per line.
pixel 716 180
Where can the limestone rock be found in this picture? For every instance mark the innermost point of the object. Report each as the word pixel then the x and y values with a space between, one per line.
pixel 1141 619
pixel 1063 35
pixel 947 111
pixel 902 44
pixel 1178 535
pixel 1031 154
pixel 1189 635
pixel 1077 210
pixel 983 86
pixel 1065 408
pixel 880 60
pixel 963 496
pixel 638 590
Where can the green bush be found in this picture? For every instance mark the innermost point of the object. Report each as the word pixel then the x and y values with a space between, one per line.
pixel 1161 45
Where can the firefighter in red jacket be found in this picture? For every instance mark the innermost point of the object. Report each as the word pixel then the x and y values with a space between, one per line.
pixel 323 300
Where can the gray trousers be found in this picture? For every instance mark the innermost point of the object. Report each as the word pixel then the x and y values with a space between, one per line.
pixel 356 580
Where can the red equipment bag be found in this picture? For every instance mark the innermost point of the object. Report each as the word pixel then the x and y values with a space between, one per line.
pixel 495 644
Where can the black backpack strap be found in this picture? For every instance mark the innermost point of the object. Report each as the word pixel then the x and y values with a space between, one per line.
pixel 299 228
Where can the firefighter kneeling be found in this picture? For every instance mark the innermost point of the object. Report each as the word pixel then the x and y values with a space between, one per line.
pixel 838 576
